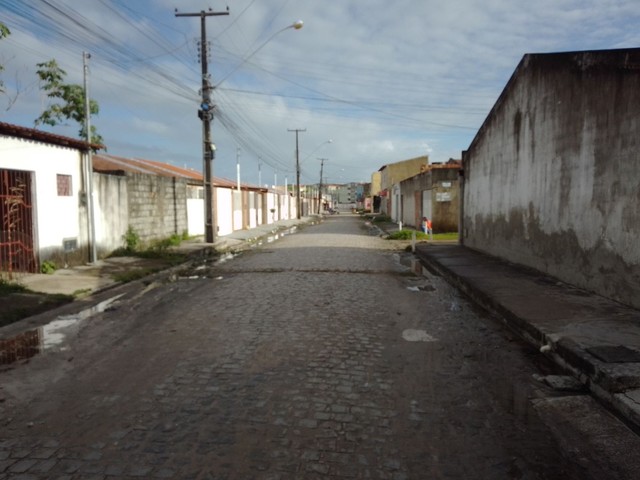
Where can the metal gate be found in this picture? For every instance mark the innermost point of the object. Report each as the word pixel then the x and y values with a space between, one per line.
pixel 16 227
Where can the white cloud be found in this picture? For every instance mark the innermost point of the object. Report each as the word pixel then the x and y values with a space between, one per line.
pixel 385 81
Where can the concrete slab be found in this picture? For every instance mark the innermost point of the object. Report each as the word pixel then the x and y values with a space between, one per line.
pixel 565 322
pixel 65 282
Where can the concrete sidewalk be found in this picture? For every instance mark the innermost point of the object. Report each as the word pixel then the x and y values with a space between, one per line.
pixel 93 278
pixel 596 339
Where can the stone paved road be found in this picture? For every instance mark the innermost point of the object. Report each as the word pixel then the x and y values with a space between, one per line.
pixel 316 356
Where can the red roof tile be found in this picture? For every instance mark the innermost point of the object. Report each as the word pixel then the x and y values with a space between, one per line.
pixel 46 137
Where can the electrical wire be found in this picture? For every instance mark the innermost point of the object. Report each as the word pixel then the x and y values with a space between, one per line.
pixel 141 59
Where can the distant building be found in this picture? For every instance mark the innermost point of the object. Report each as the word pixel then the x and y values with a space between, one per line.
pixel 390 175
pixel 433 194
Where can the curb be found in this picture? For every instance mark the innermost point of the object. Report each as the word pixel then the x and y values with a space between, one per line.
pixel 618 387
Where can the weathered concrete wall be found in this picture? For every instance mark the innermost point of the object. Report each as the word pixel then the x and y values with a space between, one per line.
pixel 111 211
pixel 157 205
pixel 440 188
pixel 552 177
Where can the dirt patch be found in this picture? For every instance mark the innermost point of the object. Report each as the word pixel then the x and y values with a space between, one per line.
pixel 38 293
pixel 15 306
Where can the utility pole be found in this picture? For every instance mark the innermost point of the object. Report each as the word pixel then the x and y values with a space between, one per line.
pixel 297 170
pixel 89 171
pixel 259 172
pixel 205 113
pixel 238 167
pixel 320 186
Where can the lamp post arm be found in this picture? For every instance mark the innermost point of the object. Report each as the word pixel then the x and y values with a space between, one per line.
pixel 296 26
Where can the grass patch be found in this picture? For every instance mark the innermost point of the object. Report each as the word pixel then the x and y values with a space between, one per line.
pixel 170 258
pixel 167 257
pixel 381 219
pixel 18 302
pixel 446 236
pixel 7 288
pixel 132 275
pixel 83 292
pixel 407 235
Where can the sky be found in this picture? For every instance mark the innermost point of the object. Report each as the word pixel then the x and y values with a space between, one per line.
pixel 370 82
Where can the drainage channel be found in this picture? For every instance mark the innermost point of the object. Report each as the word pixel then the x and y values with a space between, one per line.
pixel 48 337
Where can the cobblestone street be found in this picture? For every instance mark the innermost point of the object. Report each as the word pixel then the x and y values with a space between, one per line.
pixel 324 354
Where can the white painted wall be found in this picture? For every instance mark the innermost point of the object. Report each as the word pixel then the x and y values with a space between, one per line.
pixel 56 217
pixel 111 211
pixel 237 210
pixel 224 209
pixel 253 209
pixel 195 216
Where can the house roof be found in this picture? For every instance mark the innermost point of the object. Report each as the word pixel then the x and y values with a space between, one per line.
pixel 114 164
pixel 46 137
pixel 111 163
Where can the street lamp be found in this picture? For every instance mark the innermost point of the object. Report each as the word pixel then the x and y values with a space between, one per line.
pixel 205 113
pixel 317 148
pixel 297 25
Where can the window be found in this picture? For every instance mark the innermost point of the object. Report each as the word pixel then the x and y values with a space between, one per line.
pixel 195 192
pixel 64 185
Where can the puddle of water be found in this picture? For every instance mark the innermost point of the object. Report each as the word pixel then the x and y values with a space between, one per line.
pixel 225 257
pixel 281 233
pixel 455 306
pixel 412 335
pixel 52 335
pixel 411 263
pixel 422 288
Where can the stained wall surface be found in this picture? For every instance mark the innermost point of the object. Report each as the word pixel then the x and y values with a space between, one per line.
pixel 552 179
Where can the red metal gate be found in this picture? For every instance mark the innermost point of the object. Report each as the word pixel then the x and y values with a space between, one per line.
pixel 16 227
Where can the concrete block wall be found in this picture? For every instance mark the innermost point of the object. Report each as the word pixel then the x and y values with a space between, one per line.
pixel 157 206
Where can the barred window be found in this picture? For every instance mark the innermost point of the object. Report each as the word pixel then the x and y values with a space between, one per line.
pixel 64 185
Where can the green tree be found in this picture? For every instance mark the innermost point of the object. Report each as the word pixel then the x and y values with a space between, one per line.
pixel 71 98
pixel 4 32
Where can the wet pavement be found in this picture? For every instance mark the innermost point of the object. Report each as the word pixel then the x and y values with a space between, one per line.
pixel 325 354
pixel 98 276
pixel 328 353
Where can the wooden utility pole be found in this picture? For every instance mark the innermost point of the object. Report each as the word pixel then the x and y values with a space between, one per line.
pixel 205 113
pixel 89 170
pixel 297 170
pixel 320 186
